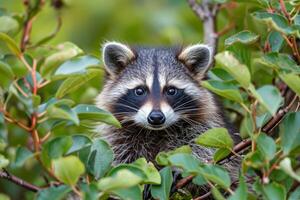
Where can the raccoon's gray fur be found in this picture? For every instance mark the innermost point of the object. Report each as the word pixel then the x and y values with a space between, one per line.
pixel 156 95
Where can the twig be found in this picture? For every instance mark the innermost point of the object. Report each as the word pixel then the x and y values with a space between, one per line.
pixel 6 175
pixel 207 12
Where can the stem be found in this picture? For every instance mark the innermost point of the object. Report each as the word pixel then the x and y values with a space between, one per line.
pixel 6 175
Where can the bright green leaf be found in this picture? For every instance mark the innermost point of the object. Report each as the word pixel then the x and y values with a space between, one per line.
pixel 229 63
pixel 185 161
pixel 221 153
pixel 241 192
pixel 286 166
pixel 216 174
pixel 122 179
pixel 292 80
pixel 79 142
pixel 10 44
pixel 271 97
pixel 224 89
pixel 9 25
pixel 266 145
pixel 149 169
pixel 215 137
pixel 3 161
pixel 245 37
pixel 217 194
pixel 68 169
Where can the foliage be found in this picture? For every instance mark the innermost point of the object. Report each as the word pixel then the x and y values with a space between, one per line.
pixel 46 129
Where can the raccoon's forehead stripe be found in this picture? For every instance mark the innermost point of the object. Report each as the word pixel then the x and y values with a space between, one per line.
pixel 155 94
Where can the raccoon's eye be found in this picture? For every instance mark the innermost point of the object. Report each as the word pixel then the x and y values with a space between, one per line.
pixel 171 91
pixel 139 91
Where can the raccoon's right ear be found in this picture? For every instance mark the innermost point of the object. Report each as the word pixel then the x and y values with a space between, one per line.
pixel 197 58
pixel 116 56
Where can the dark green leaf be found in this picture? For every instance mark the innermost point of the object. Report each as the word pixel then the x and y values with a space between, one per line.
pixel 79 142
pixel 290 132
pixel 62 112
pixel 241 192
pixel 132 193
pixel 275 40
pixel 73 83
pixel 162 191
pixel 6 74
pixel 100 158
pixel 59 146
pixel 271 97
pixel 77 65
pixel 66 51
pixel 295 195
pixel 91 112
pixel 22 154
pixel 185 161
pixel 216 174
pixel 54 193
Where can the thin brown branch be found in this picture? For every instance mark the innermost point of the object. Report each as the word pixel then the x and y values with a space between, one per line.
pixel 283 9
pixel 6 175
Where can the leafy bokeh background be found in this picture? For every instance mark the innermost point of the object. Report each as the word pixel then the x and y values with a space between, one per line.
pixel 88 24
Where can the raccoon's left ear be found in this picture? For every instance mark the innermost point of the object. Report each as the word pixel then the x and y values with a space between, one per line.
pixel 197 58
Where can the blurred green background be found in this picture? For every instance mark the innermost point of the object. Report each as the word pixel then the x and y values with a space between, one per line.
pixel 89 23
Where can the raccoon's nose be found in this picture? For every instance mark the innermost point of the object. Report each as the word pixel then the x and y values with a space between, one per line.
pixel 156 117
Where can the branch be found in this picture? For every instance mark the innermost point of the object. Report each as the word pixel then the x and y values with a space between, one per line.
pixel 207 12
pixel 6 175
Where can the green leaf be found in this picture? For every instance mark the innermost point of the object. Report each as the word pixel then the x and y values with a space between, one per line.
pixel 217 194
pixel 59 146
pixel 78 65
pixel 10 44
pixel 54 193
pixel 290 132
pixel 162 191
pixel 6 74
pixel 271 97
pixel 62 112
pixel 121 179
pixel 292 80
pixel 286 166
pixel 3 161
pixel 79 142
pixel 224 89
pixel 276 41
pixel 149 169
pixel 229 63
pixel 73 83
pixel 9 25
pixel 132 193
pixel 68 169
pixel 221 153
pixel 100 158
pixel 244 37
pixel 279 61
pixel 185 161
pixel 22 154
pixel 91 112
pixel 295 195
pixel 241 192
pixel 276 21
pixel 215 137
pixel 266 145
pixel 274 191
pixel 66 51
pixel 217 175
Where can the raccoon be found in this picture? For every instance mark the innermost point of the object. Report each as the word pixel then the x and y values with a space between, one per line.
pixel 156 95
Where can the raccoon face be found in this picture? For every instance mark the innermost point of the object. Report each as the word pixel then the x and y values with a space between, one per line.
pixel 155 87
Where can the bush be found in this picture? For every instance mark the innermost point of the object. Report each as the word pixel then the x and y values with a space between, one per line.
pixel 45 132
